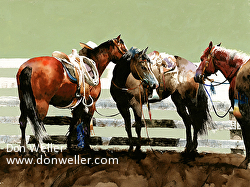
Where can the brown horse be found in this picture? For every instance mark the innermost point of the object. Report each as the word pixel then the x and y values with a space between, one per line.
pixel 235 66
pixel 43 81
pixel 135 63
pixel 176 80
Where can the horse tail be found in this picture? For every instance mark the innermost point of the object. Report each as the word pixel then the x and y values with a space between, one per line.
pixel 202 117
pixel 30 104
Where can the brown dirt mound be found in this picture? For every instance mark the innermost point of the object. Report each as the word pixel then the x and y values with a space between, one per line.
pixel 151 169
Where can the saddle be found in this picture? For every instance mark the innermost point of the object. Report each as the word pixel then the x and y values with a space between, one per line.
pixel 164 63
pixel 80 70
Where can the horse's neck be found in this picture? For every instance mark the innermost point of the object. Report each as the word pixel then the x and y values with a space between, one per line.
pixel 229 62
pixel 101 59
pixel 228 71
pixel 121 73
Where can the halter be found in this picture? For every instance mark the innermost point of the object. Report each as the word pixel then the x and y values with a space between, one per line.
pixel 141 79
pixel 138 71
pixel 125 89
pixel 206 65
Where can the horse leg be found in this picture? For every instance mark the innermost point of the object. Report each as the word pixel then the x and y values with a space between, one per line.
pixel 124 111
pixel 245 129
pixel 181 110
pixel 23 124
pixel 193 111
pixel 72 128
pixel 29 106
pixel 79 115
pixel 138 124
pixel 86 119
pixel 195 141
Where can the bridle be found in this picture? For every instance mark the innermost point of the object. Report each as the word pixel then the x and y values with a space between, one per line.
pixel 141 79
pixel 118 46
pixel 210 56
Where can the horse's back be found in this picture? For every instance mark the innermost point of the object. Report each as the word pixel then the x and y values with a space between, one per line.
pixel 47 75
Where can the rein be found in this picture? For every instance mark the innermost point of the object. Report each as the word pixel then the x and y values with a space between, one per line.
pixel 110 116
pixel 214 106
pixel 143 117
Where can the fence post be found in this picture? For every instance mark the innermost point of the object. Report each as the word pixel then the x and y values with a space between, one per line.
pixel 235 133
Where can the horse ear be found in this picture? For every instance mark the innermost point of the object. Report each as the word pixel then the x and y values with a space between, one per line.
pixel 219 44
pixel 144 51
pixel 211 45
pixel 118 38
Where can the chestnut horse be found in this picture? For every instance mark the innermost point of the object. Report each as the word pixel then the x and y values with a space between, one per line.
pixel 235 66
pixel 43 81
pixel 135 63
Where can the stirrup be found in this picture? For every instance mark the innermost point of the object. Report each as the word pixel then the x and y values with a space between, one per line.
pixel 84 102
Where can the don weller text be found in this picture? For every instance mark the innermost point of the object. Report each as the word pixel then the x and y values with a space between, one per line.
pixel 33 148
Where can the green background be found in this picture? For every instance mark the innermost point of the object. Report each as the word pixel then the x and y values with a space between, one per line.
pixel 30 28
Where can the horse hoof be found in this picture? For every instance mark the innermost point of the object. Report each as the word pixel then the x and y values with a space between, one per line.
pixel 244 165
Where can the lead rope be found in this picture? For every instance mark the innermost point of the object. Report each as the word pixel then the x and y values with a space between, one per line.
pixel 214 106
pixel 110 116
pixel 143 117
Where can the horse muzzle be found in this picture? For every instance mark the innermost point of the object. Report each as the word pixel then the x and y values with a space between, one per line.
pixel 199 78
pixel 152 83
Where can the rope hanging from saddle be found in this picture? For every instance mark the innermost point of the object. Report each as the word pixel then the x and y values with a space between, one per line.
pixel 82 75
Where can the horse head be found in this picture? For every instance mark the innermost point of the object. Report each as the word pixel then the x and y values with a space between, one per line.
pixel 140 68
pixel 119 47
pixel 207 66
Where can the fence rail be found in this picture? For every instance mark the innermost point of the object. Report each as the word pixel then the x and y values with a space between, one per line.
pixel 235 142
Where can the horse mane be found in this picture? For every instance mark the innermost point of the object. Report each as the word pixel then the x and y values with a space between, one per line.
pixel 104 44
pixel 130 53
pixel 133 50
pixel 232 56
pixel 86 51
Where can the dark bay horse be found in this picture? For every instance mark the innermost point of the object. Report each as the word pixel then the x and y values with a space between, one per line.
pixel 235 66
pixel 134 63
pixel 43 81
pixel 176 80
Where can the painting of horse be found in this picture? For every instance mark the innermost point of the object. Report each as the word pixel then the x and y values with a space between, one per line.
pixel 43 81
pixel 134 63
pixel 176 79
pixel 235 66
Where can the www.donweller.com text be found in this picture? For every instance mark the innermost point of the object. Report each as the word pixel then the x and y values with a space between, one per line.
pixel 52 148
pixel 71 160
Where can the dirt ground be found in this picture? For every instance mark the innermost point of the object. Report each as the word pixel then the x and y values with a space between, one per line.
pixel 151 169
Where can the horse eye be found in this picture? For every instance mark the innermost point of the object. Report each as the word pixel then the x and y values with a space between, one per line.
pixel 143 68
